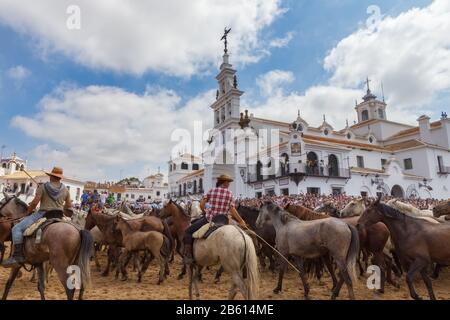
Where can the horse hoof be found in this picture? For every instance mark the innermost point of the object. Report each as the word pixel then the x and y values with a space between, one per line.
pixel 217 281
pixel 380 291
pixel 180 277
pixel 104 274
pixel 277 291
pixel 124 279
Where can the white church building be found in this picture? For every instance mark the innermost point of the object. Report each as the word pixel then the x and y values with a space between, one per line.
pixel 373 156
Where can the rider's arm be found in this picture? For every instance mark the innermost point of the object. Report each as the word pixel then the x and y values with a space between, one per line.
pixel 203 203
pixel 236 216
pixel 37 198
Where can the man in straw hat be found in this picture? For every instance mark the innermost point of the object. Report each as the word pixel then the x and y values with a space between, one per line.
pixel 221 201
pixel 53 196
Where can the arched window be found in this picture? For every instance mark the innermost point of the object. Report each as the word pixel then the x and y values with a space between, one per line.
pixel 184 166
pixel 4 165
pixel 365 115
pixel 284 164
pixel 195 186
pixel 333 166
pixel 200 185
pixel 174 167
pixel 184 189
pixel 195 166
pixel 312 163
pixel 17 167
pixel 22 167
pixel 179 190
pixel 380 113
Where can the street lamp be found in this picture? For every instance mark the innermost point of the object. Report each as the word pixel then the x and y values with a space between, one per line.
pixel 425 185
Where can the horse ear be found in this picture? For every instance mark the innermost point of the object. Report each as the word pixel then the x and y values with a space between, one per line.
pixel 287 206
pixel 284 217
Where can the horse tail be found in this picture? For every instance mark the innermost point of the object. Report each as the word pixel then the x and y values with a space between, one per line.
pixel 168 234
pixel 85 253
pixel 166 248
pixel 353 252
pixel 251 267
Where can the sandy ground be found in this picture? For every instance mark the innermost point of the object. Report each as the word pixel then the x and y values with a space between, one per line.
pixel 108 288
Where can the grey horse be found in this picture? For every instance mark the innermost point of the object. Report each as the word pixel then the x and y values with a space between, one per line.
pixel 313 239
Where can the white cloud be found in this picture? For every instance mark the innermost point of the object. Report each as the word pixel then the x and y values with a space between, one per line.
pixel 18 73
pixel 282 42
pixel 95 129
pixel 410 53
pixel 136 36
pixel 272 82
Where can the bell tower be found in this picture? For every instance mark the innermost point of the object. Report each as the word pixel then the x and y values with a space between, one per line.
pixel 228 96
pixel 371 108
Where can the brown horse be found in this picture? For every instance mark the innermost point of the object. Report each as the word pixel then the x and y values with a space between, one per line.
pixel 418 243
pixel 442 209
pixel 180 222
pixel 107 224
pixel 371 241
pixel 152 242
pixel 62 244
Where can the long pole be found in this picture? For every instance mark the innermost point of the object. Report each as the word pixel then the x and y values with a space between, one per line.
pixel 25 171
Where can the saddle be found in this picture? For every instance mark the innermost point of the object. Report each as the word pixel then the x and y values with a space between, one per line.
pixel 50 217
pixel 205 231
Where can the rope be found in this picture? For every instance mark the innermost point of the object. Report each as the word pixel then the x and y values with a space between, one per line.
pixel 278 252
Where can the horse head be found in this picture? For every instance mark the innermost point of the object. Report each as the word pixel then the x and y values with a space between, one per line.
pixel 354 208
pixel 371 215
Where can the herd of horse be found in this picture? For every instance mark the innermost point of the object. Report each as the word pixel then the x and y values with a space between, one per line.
pixel 397 237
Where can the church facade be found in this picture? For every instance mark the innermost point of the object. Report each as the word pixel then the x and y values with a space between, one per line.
pixel 373 156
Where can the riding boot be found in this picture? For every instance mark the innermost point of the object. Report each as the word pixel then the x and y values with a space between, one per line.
pixel 17 257
pixel 187 254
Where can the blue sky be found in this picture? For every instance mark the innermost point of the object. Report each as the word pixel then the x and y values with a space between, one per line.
pixel 37 61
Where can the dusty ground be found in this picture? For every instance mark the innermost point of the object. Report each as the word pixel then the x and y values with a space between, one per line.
pixel 111 289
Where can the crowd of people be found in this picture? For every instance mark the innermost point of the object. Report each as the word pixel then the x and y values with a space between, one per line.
pixel 313 201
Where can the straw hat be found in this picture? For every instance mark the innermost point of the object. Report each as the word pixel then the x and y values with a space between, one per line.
pixel 57 172
pixel 225 177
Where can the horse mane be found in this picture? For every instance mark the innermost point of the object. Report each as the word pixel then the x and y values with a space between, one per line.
pixel 180 208
pixel 304 213
pixel 21 203
pixel 397 214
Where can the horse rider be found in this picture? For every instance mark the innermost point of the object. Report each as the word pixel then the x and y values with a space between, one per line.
pixel 221 201
pixel 53 196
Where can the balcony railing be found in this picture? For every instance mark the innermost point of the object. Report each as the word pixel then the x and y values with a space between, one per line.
pixel 334 173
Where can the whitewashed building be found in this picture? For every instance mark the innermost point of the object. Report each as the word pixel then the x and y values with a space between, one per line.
pixel 375 155
pixel 19 182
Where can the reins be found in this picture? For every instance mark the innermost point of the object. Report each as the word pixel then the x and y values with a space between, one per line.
pixel 278 252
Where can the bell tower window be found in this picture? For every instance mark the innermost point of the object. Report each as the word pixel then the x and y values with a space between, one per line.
pixel 365 115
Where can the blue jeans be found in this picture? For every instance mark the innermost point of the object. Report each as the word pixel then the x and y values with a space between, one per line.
pixel 19 229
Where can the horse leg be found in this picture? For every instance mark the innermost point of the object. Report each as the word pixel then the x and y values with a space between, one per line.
pixel 279 287
pixel 41 280
pixel 329 265
pixel 379 261
pixel 337 289
pixel 191 280
pixel 2 251
pixel 428 284
pixel 108 264
pixel 389 267
pixel 348 282
pixel 218 275
pixel 123 267
pixel 415 267
pixel 81 293
pixel 437 270
pixel 12 276
pixel 162 265
pixel 301 268
pixel 239 283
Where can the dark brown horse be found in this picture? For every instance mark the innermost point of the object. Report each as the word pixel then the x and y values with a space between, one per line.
pixel 180 221
pixel 62 244
pixel 418 243
pixel 372 241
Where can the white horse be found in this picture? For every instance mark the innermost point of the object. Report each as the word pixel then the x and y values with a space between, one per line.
pixel 195 210
pixel 234 250
pixel 354 208
pixel 412 211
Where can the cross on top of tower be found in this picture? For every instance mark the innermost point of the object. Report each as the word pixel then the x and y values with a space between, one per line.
pixel 225 37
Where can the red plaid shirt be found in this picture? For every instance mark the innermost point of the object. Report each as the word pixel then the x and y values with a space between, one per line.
pixel 221 201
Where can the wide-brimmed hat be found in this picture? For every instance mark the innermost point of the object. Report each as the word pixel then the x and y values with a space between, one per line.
pixel 225 177
pixel 57 172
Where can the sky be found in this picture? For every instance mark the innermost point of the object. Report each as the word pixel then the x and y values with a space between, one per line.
pixel 98 87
